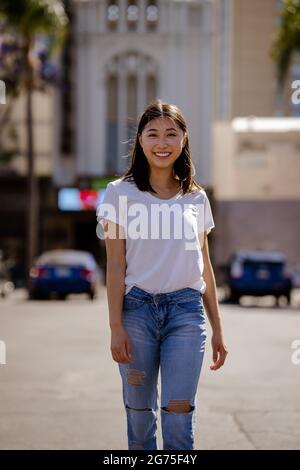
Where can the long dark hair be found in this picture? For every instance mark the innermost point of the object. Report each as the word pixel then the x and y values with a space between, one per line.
pixel 139 169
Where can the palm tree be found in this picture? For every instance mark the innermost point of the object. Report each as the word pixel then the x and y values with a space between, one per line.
pixel 287 41
pixel 28 18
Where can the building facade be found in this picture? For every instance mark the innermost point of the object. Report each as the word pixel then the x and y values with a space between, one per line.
pixel 210 57
pixel 255 134
pixel 245 81
pixel 128 53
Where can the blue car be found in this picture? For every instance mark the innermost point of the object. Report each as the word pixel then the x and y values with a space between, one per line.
pixel 64 272
pixel 258 273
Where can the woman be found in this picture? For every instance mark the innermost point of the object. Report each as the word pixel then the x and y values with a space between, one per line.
pixel 157 280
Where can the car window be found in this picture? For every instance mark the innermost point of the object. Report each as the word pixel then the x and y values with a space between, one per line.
pixel 67 258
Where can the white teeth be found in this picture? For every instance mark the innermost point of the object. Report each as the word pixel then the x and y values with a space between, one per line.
pixel 162 154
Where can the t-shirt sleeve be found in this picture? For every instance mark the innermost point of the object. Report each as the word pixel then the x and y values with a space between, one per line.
pixel 110 208
pixel 205 219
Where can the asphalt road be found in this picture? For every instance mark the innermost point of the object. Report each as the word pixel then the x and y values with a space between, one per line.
pixel 60 388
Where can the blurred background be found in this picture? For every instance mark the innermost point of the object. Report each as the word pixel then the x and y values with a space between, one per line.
pixel 75 76
pixel 94 65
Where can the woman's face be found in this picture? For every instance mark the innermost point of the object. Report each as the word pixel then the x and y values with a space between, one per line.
pixel 162 141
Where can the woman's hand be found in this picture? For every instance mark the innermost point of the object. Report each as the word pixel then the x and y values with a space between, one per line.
pixel 219 350
pixel 120 345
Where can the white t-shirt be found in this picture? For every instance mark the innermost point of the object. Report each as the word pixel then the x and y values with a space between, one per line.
pixel 160 257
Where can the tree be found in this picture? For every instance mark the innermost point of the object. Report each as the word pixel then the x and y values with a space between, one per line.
pixel 28 19
pixel 287 41
pixel 10 68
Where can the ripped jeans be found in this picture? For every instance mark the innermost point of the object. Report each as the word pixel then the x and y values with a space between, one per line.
pixel 166 331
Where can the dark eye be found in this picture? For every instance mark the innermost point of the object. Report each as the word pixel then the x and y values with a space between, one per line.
pixel 173 135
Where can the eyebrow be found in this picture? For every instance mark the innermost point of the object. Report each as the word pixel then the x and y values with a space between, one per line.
pixel 170 129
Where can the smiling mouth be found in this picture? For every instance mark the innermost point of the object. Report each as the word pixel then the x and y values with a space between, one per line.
pixel 162 154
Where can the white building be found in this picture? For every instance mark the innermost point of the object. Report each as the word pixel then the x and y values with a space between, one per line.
pixel 128 52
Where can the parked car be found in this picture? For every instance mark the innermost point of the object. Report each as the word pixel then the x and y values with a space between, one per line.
pixel 6 285
pixel 295 270
pixel 258 273
pixel 64 272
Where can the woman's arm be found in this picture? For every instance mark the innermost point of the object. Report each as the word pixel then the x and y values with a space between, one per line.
pixel 115 282
pixel 210 299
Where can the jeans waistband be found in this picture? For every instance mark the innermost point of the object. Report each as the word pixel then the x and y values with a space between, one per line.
pixel 180 294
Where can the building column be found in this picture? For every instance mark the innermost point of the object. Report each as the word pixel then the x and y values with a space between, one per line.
pixel 163 15
pixel 82 105
pixel 97 110
pixel 141 87
pixel 122 27
pixel 142 16
pixel 101 16
pixel 92 16
pixel 206 94
pixel 122 121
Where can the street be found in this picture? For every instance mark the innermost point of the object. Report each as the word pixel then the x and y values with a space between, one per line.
pixel 60 388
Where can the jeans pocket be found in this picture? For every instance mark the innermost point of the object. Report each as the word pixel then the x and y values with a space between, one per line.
pixel 190 305
pixel 131 303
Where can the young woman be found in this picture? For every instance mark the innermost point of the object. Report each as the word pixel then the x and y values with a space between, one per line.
pixel 159 278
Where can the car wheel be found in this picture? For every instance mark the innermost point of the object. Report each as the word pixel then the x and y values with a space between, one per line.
pixel 62 296
pixel 234 297
pixel 36 295
pixel 33 295
pixel 92 294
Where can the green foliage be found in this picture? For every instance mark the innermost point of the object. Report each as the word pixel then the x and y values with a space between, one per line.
pixel 30 17
pixel 287 41
pixel 25 27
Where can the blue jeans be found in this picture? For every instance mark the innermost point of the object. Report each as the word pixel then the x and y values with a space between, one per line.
pixel 166 331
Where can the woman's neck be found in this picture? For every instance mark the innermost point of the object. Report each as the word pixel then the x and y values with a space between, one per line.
pixel 164 182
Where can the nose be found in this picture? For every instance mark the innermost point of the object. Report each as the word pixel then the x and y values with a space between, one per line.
pixel 161 144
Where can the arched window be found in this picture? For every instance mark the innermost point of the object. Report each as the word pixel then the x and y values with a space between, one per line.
pixel 112 14
pixel 152 15
pixel 112 122
pixel 151 88
pixel 131 85
pixel 131 105
pixel 132 15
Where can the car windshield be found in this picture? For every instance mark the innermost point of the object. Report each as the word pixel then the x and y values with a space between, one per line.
pixel 69 258
pixel 261 256
pixel 264 264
